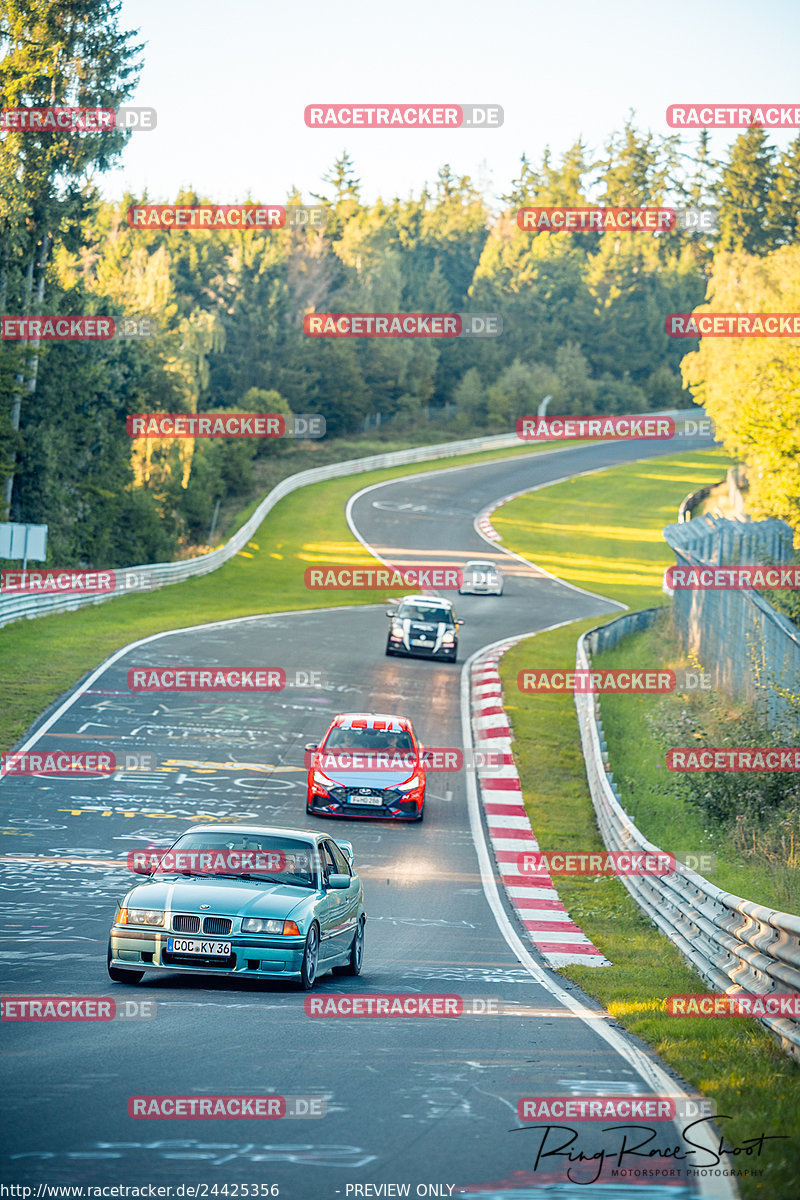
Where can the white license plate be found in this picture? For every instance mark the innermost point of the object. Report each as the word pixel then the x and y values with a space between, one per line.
pixel 422 641
pixel 377 801
pixel 195 946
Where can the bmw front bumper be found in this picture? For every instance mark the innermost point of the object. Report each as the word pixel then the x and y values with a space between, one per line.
pixel 251 954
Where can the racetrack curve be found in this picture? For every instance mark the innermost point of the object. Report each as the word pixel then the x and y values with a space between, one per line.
pixel 421 1102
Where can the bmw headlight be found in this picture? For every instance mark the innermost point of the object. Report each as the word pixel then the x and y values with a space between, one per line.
pixel 140 916
pixel 262 925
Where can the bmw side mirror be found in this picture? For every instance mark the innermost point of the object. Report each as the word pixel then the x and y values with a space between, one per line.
pixel 338 882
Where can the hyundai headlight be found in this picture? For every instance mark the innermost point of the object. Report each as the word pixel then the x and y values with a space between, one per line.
pixel 410 784
pixel 319 778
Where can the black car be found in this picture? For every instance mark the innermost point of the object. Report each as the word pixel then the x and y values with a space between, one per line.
pixel 423 626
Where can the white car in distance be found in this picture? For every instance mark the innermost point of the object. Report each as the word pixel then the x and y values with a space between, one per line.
pixel 481 577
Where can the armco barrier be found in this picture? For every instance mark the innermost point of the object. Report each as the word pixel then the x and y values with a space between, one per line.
pixel 736 945
pixel 14 607
pixel 686 510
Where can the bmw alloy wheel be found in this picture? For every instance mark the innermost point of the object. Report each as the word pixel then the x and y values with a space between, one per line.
pixel 308 971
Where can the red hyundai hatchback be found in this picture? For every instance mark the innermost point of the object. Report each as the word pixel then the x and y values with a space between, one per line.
pixel 368 765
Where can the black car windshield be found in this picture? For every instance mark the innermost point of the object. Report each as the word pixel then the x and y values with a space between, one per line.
pixel 242 855
pixel 424 612
pixel 367 739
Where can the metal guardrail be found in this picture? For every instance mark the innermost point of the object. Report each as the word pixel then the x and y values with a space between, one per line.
pixel 154 575
pixel 690 503
pixel 736 945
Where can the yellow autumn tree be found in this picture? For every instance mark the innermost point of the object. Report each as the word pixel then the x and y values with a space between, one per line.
pixel 750 387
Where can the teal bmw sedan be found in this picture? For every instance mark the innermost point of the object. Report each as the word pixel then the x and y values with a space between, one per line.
pixel 243 901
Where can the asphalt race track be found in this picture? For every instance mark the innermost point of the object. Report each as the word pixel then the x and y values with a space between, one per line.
pixel 426 1102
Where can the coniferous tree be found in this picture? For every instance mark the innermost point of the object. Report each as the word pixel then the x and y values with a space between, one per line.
pixel 743 195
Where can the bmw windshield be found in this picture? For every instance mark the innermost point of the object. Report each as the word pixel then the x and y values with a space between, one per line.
pixel 240 856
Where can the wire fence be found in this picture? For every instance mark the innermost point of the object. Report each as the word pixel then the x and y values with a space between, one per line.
pixel 751 650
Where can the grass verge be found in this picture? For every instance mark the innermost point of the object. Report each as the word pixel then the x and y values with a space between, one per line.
pixel 604 532
pixel 659 801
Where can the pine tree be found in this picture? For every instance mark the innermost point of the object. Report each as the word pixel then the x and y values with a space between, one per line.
pixel 743 192
pixel 783 201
